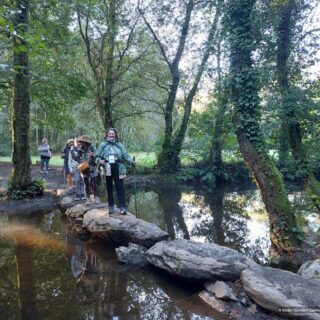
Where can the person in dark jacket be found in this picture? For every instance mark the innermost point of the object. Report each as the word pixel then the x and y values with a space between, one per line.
pixel 112 154
pixel 65 156
pixel 87 152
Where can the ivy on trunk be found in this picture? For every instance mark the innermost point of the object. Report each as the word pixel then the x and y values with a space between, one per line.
pixel 244 97
pixel 21 174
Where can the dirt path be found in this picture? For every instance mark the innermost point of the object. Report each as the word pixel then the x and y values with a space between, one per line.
pixel 54 180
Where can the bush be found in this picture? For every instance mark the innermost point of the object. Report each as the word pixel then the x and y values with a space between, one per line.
pixel 35 189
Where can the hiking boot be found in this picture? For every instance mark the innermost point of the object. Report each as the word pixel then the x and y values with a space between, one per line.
pixel 96 200
pixel 83 197
pixel 77 198
pixel 111 210
pixel 123 211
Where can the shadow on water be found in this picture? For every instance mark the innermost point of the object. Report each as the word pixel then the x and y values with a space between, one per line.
pixel 48 273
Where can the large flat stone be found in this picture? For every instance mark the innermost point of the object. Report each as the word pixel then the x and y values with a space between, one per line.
pixel 123 229
pixel 195 260
pixel 283 292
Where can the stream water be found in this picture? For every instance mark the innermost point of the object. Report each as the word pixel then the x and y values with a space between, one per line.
pixel 47 273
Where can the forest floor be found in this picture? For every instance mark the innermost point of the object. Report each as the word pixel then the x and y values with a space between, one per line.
pixel 54 180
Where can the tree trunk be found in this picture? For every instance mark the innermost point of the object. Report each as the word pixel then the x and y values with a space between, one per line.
pixel 177 141
pixel 165 159
pixel 291 133
pixel 283 52
pixel 215 160
pixel 244 97
pixel 21 174
pixel 109 79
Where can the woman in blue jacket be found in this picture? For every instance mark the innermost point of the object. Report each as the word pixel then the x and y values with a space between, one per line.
pixel 112 154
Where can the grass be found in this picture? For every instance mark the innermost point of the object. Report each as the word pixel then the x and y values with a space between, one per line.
pixel 54 161
pixel 144 160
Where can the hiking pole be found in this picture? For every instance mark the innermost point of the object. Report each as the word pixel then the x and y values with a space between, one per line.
pixel 135 188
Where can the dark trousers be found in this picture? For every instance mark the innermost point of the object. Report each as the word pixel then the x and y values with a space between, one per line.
pixel 90 184
pixel 44 163
pixel 119 187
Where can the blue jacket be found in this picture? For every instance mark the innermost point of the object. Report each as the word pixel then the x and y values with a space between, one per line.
pixel 119 149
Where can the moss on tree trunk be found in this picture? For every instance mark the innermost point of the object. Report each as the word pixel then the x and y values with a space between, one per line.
pixel 21 174
pixel 244 96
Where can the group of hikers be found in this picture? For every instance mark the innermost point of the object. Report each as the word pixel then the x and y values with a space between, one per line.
pixel 82 163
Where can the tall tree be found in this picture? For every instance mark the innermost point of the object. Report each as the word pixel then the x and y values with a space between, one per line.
pixel 244 97
pixel 291 131
pixel 215 159
pixel 114 49
pixel 172 158
pixel 21 174
pixel 168 158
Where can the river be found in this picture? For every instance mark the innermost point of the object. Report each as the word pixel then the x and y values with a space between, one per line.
pixel 48 273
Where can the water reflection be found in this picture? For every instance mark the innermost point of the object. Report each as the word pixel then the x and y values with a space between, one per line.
pixel 81 280
pixel 236 219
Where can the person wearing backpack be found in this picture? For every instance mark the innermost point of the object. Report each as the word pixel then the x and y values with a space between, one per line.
pixel 87 153
pixel 73 163
pixel 112 155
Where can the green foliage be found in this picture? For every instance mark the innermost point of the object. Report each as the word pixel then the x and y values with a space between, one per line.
pixel 35 189
pixel 188 174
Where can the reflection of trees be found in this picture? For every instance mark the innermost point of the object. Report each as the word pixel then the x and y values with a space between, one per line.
pixel 227 224
pixel 169 198
pixel 158 296
pixel 103 289
pixel 26 282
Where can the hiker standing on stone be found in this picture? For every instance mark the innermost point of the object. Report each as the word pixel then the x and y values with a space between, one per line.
pixel 112 154
pixel 65 156
pixel 87 152
pixel 45 155
pixel 73 162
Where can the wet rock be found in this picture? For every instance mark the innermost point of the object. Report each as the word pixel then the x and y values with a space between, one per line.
pixel 233 310
pixel 310 270
pixel 195 260
pixel 123 229
pixel 133 255
pixel 221 290
pixel 66 202
pixel 283 292
pixel 80 209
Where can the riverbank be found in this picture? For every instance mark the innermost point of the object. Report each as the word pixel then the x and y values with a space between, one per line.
pixel 54 181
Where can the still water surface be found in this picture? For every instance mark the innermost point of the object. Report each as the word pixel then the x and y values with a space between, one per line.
pixel 47 273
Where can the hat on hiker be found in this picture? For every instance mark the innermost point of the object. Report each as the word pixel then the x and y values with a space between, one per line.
pixel 84 139
pixel 70 141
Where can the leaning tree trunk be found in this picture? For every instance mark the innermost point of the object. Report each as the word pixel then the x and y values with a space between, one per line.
pixel 291 133
pixel 244 97
pixel 21 174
